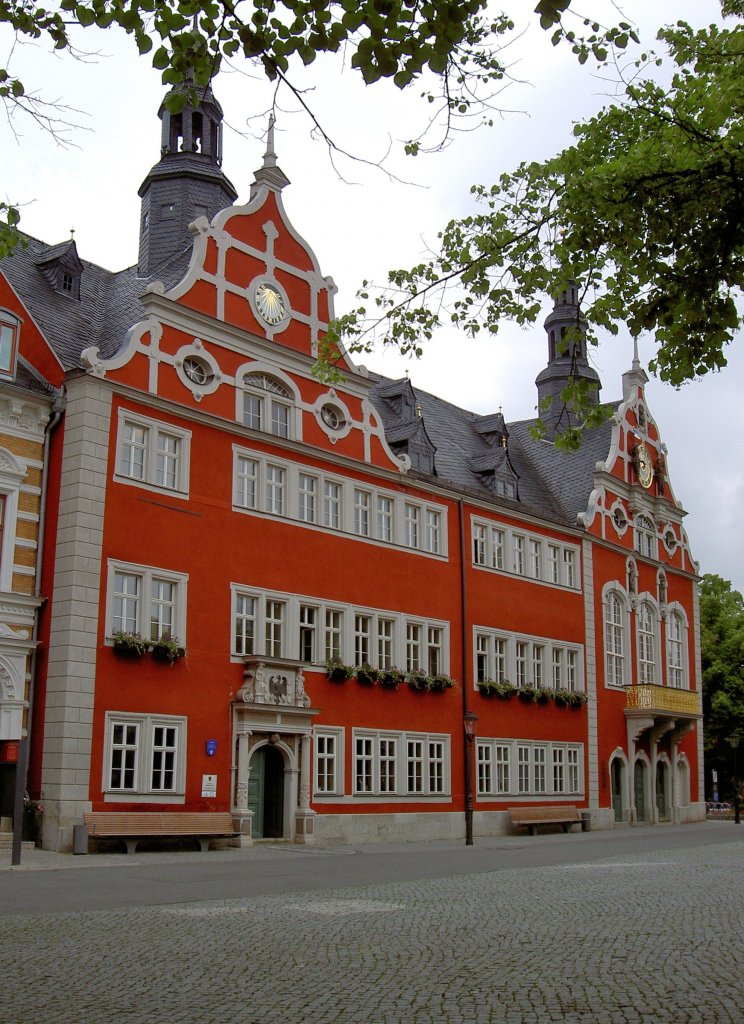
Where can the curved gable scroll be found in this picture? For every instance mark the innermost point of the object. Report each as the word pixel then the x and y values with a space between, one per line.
pixel 251 269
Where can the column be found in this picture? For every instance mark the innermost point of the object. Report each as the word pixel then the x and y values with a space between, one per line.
pixel 305 832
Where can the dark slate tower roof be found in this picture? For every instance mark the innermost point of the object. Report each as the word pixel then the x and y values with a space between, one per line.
pixel 188 181
pixel 567 361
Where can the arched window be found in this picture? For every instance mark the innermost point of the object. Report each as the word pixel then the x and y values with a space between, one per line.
pixel 646 643
pixel 676 650
pixel 267 405
pixel 645 536
pixel 615 617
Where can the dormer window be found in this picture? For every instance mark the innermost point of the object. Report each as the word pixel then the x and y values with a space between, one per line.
pixel 9 331
pixel 68 282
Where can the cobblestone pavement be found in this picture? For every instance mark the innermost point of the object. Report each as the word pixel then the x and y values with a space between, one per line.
pixel 642 939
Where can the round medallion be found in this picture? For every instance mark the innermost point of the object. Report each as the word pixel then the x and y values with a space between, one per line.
pixel 645 466
pixel 269 303
pixel 332 417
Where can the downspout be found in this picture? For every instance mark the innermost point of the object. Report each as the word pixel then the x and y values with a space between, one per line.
pixel 467 737
pixel 58 408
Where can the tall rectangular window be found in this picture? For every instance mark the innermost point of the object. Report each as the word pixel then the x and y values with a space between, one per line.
pixel 164 750
pixel 332 505
pixel 573 770
pixel 274 628
pixel 535 559
pixel 385 635
pixel 523 769
pixel 521 663
pixel 415 764
pixel 433 530
pixel 362 633
pixel 333 634
pixel 245 624
pixel 569 568
pixel 434 636
pixel 167 460
pixel 498 544
pixel 152 453
pixel 559 761
pixel 540 778
pixel 557 669
pixel 413 647
pixel 308 633
pixel 411 515
pixel 388 762
pixel 537 664
pixel 363 764
pixel 361 512
pixel 485 768
pixel 144 754
pixel 126 603
pixel 148 602
pixel 481 658
pixel 518 554
pixel 133 452
pixel 307 486
pixel 572 672
pixel 436 766
pixel 275 483
pixel 499 660
pixel 124 750
pixel 502 768
pixel 385 519
pixel 246 489
pixel 554 563
pixel 162 608
pixel 326 753
pixel 479 544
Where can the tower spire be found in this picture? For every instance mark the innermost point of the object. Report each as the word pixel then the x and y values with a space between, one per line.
pixel 636 376
pixel 269 175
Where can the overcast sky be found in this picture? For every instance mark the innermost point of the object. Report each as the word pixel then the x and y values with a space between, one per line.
pixel 360 223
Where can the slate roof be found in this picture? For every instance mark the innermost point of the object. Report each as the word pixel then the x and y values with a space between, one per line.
pixel 552 484
pixel 108 306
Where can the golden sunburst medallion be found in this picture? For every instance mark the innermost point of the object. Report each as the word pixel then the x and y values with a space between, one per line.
pixel 269 303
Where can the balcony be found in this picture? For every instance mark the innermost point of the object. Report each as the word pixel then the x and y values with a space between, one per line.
pixel 662 700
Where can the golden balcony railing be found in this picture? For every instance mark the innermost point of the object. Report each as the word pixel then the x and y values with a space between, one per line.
pixel 662 698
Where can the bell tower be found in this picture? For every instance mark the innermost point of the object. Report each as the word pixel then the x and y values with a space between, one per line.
pixel 187 182
pixel 567 361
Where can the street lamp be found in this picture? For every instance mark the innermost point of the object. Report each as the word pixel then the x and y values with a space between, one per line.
pixel 734 741
pixel 469 720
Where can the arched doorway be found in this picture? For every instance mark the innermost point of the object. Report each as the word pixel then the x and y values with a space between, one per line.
pixel 683 782
pixel 617 782
pixel 662 802
pixel 266 793
pixel 639 790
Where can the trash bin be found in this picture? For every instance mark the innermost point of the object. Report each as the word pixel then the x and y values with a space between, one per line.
pixel 79 839
pixel 586 821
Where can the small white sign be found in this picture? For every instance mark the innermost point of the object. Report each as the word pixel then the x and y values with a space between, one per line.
pixel 209 785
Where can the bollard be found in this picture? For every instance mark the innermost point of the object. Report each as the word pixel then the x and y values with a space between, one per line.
pixel 79 839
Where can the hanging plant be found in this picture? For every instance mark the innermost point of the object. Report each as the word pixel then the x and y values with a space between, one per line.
pixel 367 675
pixel 528 694
pixel 338 672
pixel 440 683
pixel 130 645
pixel 168 648
pixel 418 680
pixel 544 696
pixel 391 678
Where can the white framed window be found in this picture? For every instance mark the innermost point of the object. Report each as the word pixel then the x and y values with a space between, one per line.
pixel 385 519
pixel 9 333
pixel 299 626
pixel 145 600
pixel 308 486
pixel 268 405
pixel 308 634
pixel 332 505
pixel 391 764
pixel 645 536
pixel 615 638
pixel 528 768
pixel 152 454
pixel 647 646
pixel 529 555
pixel 144 756
pixel 411 519
pixel 276 486
pixel 676 650
pixel 432 541
pixel 524 661
pixel 361 512
pixel 329 761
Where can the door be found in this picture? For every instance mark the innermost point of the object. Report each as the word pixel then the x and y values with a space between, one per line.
pixel 266 793
pixel 662 805
pixel 639 790
pixel 617 773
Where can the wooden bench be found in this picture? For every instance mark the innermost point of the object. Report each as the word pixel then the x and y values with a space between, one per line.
pixel 531 817
pixel 131 826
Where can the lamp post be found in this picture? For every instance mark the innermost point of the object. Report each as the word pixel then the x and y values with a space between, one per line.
pixel 734 741
pixel 469 720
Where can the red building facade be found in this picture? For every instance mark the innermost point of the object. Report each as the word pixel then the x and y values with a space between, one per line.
pixel 279 598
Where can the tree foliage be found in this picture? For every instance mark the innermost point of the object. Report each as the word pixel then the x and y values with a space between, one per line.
pixel 645 209
pixel 452 48
pixel 722 655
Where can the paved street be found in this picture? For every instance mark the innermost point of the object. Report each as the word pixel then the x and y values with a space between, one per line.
pixel 639 925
